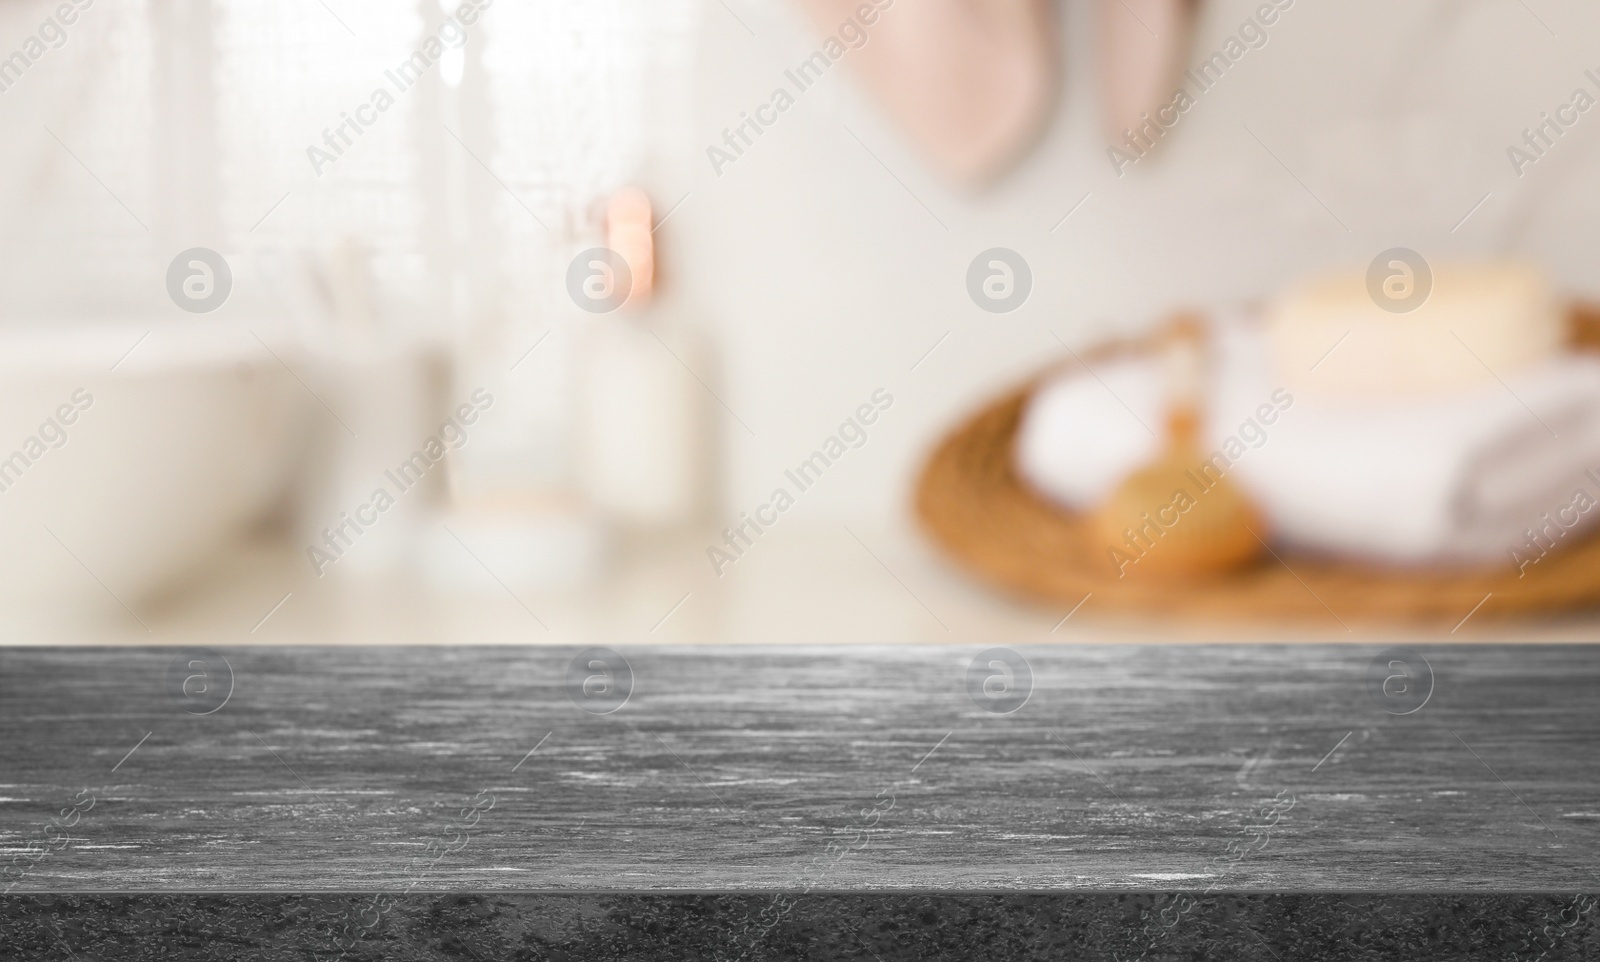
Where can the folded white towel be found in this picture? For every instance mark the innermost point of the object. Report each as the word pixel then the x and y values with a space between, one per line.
pixel 1464 478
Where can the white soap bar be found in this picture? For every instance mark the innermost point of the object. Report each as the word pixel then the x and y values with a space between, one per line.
pixel 1478 324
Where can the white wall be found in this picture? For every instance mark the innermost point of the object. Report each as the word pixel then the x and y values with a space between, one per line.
pixel 824 278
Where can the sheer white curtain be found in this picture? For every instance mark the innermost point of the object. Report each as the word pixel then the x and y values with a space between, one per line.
pixel 77 197
pixel 164 124
pixel 161 125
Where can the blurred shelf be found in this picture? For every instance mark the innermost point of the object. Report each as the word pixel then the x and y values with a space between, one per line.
pixel 801 582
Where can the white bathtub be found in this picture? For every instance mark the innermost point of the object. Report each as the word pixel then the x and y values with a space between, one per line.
pixel 185 442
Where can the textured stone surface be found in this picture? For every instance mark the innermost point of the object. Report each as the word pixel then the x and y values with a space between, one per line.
pixel 1156 802
pixel 356 769
pixel 660 928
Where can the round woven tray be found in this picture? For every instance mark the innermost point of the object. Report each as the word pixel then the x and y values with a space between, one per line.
pixel 971 501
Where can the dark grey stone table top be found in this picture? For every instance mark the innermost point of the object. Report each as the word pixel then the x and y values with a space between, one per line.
pixel 824 769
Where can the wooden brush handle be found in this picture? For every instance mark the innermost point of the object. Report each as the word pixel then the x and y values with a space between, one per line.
pixel 1185 362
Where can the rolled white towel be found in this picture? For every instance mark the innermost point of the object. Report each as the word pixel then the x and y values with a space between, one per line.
pixel 1085 431
pixel 1458 478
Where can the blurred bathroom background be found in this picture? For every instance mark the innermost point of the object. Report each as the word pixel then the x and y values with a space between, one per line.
pixel 414 286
